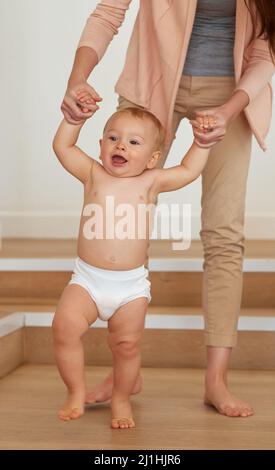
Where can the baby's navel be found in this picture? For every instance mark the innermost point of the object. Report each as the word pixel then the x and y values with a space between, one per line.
pixel 113 259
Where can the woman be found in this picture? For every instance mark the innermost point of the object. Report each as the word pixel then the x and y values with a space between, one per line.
pixel 184 57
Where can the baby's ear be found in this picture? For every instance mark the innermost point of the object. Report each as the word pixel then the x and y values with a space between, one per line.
pixel 154 159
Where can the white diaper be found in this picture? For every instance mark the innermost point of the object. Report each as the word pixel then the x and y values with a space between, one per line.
pixel 111 289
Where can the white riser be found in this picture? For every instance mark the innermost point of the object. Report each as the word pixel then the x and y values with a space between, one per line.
pixel 155 264
pixel 18 320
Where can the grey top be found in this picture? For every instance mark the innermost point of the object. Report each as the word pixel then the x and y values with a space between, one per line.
pixel 210 51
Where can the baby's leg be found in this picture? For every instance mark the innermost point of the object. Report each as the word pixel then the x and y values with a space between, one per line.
pixel 125 331
pixel 75 312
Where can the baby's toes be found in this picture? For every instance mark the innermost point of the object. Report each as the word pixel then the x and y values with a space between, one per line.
pixel 64 415
pixel 115 423
pixel 123 423
pixel 75 413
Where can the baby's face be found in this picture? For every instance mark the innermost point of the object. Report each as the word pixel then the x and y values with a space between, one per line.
pixel 128 146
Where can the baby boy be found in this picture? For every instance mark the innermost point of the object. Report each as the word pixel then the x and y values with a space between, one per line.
pixel 110 280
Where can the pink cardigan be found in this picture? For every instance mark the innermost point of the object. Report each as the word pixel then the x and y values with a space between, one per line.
pixel 157 51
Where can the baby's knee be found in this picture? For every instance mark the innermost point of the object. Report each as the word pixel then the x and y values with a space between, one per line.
pixel 125 347
pixel 65 330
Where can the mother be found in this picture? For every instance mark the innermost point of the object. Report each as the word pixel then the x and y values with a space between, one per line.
pixel 186 56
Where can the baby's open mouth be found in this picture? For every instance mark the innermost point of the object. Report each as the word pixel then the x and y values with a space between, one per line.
pixel 118 160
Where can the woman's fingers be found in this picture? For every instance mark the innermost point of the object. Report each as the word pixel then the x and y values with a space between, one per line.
pixel 69 119
pixel 212 122
pixel 92 106
pixel 80 103
pixel 208 123
pixel 83 96
pixel 87 90
pixel 195 124
pixel 210 137
pixel 209 126
pixel 75 111
pixel 87 99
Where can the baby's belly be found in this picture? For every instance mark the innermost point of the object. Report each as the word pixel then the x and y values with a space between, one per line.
pixel 113 254
pixel 117 244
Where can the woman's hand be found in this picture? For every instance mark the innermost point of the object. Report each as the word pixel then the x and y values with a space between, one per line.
pixel 223 115
pixel 76 111
pixel 207 135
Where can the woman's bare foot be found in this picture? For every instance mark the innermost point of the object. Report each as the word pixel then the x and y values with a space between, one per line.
pixel 103 391
pixel 73 407
pixel 122 417
pixel 218 396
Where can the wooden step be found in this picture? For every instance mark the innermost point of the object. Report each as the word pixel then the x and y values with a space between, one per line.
pixel 173 338
pixel 66 248
pixel 168 288
pixel 9 308
pixel 160 348
pixel 12 351
pixel 35 271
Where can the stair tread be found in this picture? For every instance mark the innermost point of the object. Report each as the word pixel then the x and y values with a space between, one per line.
pixel 66 248
pixel 7 309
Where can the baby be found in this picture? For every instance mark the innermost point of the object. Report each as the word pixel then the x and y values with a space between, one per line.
pixel 110 280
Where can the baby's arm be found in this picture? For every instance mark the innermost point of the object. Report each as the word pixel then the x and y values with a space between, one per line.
pixel 190 168
pixel 178 176
pixel 73 159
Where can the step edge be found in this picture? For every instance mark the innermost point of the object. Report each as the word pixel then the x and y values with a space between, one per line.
pixel 18 320
pixel 155 264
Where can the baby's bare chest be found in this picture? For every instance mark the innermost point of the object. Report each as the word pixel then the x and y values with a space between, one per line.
pixel 120 192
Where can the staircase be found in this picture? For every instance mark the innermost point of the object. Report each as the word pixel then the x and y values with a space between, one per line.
pixel 33 274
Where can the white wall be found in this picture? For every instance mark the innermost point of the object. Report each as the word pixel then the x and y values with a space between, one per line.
pixel 37 197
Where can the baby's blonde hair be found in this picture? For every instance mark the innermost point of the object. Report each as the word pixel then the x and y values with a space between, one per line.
pixel 142 114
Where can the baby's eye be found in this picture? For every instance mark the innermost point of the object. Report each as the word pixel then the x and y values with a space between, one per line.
pixel 134 142
pixel 112 137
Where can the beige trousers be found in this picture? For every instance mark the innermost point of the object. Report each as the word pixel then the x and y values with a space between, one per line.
pixel 224 180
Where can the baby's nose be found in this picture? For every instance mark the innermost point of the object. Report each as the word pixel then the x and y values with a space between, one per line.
pixel 120 145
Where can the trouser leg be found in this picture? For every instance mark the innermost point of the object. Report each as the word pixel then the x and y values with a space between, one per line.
pixel 224 182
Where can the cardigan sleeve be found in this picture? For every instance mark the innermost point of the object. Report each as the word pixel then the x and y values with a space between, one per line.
pixel 103 24
pixel 259 69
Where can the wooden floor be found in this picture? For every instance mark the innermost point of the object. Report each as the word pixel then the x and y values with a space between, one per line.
pixel 169 413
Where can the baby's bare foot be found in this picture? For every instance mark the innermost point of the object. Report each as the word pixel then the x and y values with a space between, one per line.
pixel 73 407
pixel 218 396
pixel 122 417
pixel 103 391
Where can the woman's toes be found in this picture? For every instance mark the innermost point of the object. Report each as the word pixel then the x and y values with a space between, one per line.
pixel 247 412
pixel 228 411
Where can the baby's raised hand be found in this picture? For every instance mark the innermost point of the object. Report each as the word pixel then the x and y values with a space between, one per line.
pixel 84 98
pixel 204 123
pixel 205 130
